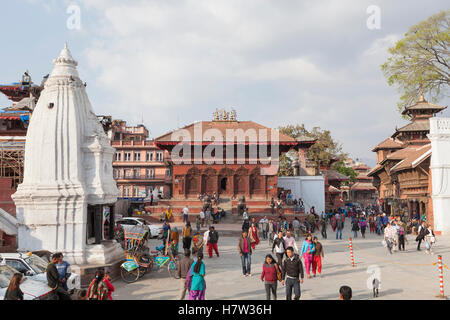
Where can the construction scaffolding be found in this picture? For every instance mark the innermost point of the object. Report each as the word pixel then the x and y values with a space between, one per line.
pixel 11 161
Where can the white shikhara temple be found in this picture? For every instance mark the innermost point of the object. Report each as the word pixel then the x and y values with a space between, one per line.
pixel 66 200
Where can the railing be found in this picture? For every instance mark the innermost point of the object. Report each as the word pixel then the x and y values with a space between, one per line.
pixel 133 143
pixel 142 177
pixel 439 125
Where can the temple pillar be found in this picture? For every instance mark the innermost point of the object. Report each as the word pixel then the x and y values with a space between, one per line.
pixel 112 222
pixel 265 187
pixel 409 209
pixel 216 188
pixel 98 223
pixel 232 187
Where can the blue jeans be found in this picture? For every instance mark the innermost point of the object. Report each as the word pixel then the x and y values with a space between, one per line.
pixel 185 218
pixel 339 232
pixel 246 257
pixel 355 234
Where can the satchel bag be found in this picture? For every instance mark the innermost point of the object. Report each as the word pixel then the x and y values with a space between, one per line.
pixel 279 277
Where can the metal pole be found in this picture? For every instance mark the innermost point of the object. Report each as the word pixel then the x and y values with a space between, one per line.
pixel 441 277
pixel 351 252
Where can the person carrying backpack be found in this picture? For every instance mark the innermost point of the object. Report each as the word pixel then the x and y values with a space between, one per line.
pixel 422 232
pixel 430 239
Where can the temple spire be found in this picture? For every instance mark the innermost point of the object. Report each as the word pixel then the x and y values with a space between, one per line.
pixel 421 98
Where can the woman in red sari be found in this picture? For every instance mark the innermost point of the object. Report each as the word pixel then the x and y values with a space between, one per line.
pixel 253 233
pixel 333 222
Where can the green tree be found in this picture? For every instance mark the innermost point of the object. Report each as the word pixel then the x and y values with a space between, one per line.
pixel 323 152
pixel 421 59
pixel 285 168
pixel 346 171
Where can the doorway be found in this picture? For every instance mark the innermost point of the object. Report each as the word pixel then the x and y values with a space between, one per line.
pixel 223 184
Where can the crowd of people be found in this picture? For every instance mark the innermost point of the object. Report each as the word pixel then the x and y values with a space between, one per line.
pixel 285 198
pixel 285 262
pixel 286 265
pixel 212 215
pixel 100 288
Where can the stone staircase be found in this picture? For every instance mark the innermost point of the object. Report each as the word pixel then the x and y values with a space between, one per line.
pixel 227 205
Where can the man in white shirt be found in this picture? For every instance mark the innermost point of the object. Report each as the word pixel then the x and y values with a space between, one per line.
pixel 202 218
pixel 185 213
pixel 396 228
pixel 264 224
pixel 206 239
pixel 289 241
pixel 245 215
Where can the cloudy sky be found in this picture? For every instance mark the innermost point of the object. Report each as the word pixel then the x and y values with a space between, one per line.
pixel 173 62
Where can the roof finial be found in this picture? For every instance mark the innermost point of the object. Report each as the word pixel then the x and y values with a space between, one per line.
pixel 421 99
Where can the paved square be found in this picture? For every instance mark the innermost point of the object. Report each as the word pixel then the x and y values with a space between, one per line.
pixel 403 275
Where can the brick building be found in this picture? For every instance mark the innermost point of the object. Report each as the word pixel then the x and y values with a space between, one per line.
pixel 139 166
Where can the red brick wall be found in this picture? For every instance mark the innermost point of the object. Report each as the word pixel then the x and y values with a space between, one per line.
pixel 181 171
pixel 8 243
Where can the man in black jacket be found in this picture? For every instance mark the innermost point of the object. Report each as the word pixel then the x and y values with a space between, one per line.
pixel 53 279
pixel 423 231
pixel 213 239
pixel 292 272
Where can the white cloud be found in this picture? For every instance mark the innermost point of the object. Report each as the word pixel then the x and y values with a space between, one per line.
pixel 278 62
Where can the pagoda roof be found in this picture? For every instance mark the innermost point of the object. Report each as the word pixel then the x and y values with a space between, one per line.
pixel 305 139
pixel 422 104
pixel 360 166
pixel 362 186
pixel 375 169
pixel 389 143
pixel 333 189
pixel 363 176
pixel 334 175
pixel 399 154
pixel 417 125
pixel 222 127
pixel 413 158
pixel 17 91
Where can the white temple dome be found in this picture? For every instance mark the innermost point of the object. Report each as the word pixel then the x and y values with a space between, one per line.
pixel 66 148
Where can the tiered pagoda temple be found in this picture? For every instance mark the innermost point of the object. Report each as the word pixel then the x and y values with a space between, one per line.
pixel 402 174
